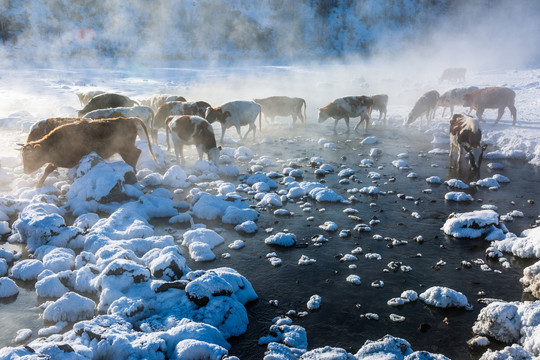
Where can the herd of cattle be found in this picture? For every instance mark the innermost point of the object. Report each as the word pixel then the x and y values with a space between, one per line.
pixel 109 123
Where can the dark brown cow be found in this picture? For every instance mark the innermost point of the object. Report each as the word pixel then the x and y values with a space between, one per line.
pixel 105 101
pixel 425 105
pixel 283 106
pixel 67 144
pixel 45 126
pixel 85 97
pixel 492 98
pixel 380 103
pixel 176 108
pixel 346 108
pixel 192 129
pixel 465 134
pixel 453 75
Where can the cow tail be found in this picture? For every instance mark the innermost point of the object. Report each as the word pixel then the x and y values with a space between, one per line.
pixel 141 123
pixel 305 117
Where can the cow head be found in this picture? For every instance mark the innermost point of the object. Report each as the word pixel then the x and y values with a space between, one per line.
pixel 475 155
pixel 216 114
pixel 32 157
pixel 323 115
pixel 467 100
pixel 213 154
pixel 411 117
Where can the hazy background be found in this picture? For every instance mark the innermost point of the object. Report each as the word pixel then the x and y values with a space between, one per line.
pixel 476 34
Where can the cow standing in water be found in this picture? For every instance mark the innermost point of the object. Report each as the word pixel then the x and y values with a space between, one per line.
pixel 454 97
pixel 380 103
pixel 465 136
pixel 283 106
pixel 492 98
pixel 425 105
pixel 192 129
pixel 66 145
pixel 346 108
pixel 235 113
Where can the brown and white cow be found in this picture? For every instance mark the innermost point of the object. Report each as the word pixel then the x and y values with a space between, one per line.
pixel 235 113
pixel 453 75
pixel 346 108
pixel 380 103
pixel 145 113
pixel 156 101
pixel 105 101
pixel 176 108
pixel 67 144
pixel 85 97
pixel 192 129
pixel 283 106
pixel 465 135
pixel 45 126
pixel 453 97
pixel 425 105
pixel 494 97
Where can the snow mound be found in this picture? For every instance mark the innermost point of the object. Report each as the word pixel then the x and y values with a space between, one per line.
pixel 444 297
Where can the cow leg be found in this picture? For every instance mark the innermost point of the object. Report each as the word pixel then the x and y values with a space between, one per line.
pixel 335 125
pixel 479 113
pixel 222 132
pixel 513 111
pixel 358 124
pixel 451 110
pixel 179 149
pixel 443 111
pixel 293 119
pixel 499 115
pixel 131 156
pixel 49 169
pixel 470 111
pixel 347 120
pixel 201 152
pixel 238 131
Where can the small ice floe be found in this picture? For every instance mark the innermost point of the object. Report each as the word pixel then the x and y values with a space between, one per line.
pixel 396 318
pixel 348 257
pixel 375 152
pixel 243 153
pixel 27 269
pixel 474 224
pixel 346 172
pixel 281 239
pixel 248 227
pixel 70 307
pixel 304 260
pixel 330 146
pixel 377 284
pixel 402 155
pixel 444 297
pixel 354 279
pixel 270 200
pixel 395 302
pixel 53 329
pixel 416 215
pixel 282 212
pixel 370 190
pixel 374 175
pixel 357 251
pixel 458 196
pixel 366 163
pixel 439 151
pixel 362 228
pixel 495 166
pixel 370 140
pixel 318 240
pixel 455 183
pixel 513 322
pixel 515 213
pixel 373 256
pixel 400 164
pixel 370 316
pixel 478 341
pixel 314 303
pixel 237 244
pixel 433 180
pixel 22 335
pixel 329 226
pixel 345 233
pixel 490 183
pixel 8 288
pixel 412 175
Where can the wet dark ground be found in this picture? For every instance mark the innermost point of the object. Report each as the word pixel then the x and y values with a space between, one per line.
pixel 338 322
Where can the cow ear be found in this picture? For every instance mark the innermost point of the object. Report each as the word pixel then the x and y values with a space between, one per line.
pixel 37 146
pixel 484 147
pixel 467 147
pixel 219 147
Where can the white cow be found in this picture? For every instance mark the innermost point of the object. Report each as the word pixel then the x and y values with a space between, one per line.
pixel 235 113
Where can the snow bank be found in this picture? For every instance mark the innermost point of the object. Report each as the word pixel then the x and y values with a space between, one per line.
pixel 527 245
pixel 474 224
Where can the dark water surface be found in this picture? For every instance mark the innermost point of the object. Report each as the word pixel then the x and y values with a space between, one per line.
pixel 338 322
